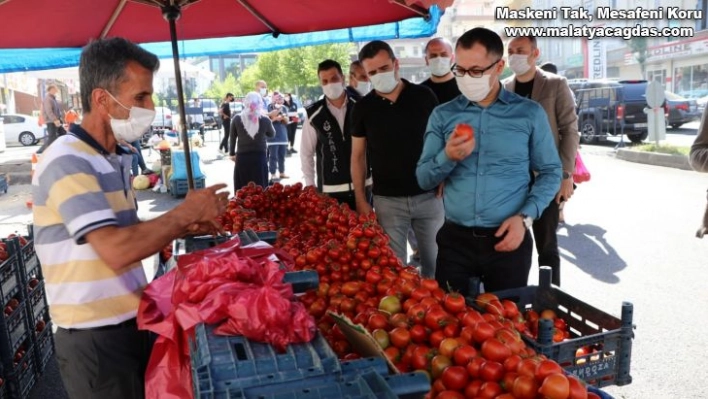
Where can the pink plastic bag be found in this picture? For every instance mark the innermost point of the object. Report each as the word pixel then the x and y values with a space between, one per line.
pixel 581 174
pixel 222 285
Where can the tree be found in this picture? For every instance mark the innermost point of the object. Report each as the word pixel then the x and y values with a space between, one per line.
pixel 218 88
pixel 293 69
pixel 638 45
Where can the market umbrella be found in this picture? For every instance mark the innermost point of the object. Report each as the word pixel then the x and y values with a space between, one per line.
pixel 72 25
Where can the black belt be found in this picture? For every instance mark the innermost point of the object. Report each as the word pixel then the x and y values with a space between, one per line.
pixel 126 324
pixel 476 232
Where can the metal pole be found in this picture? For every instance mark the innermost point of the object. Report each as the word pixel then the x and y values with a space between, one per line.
pixel 171 14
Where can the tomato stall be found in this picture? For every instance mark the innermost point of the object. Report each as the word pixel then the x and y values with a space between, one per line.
pixel 374 327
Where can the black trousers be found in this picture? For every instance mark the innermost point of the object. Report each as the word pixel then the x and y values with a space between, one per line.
pixel 544 233
pixel 52 135
pixel 466 252
pixel 292 129
pixel 225 141
pixel 105 362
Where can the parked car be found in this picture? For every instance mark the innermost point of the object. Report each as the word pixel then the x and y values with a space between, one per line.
pixel 680 110
pixel 697 93
pixel 701 103
pixel 163 118
pixel 22 129
pixel 609 107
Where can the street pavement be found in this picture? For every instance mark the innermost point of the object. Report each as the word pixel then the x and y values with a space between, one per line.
pixel 628 236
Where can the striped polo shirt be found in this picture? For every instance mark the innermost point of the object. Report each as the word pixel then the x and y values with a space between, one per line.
pixel 77 188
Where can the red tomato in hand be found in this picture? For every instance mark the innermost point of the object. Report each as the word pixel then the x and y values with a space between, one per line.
pixel 464 130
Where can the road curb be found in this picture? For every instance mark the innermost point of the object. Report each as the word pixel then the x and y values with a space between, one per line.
pixel 655 158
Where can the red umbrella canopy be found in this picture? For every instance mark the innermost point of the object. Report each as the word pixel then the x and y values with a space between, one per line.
pixel 51 23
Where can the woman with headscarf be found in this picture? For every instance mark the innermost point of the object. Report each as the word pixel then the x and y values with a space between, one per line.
pixel 248 145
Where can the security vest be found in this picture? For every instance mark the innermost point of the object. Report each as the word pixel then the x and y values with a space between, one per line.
pixel 334 148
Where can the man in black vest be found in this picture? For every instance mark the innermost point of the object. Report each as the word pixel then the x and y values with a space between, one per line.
pixel 326 144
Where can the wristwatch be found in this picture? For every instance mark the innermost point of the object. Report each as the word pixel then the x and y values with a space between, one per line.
pixel 566 175
pixel 528 220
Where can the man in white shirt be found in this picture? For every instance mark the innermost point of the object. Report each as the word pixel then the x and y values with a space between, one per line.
pixel 326 145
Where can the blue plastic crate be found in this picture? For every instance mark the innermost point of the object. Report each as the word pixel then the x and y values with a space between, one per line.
pixel 602 394
pixel 44 348
pixel 365 385
pixel 247 237
pixel 13 333
pixel 221 363
pixel 10 281
pixel 23 377
pixel 588 326
pixel 180 187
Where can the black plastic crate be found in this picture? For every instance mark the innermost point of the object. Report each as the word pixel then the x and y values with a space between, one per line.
pixel 10 281
pixel 589 327
pixel 180 187
pixel 24 376
pixel 44 347
pixel 14 331
pixel 3 384
pixel 247 237
pixel 37 304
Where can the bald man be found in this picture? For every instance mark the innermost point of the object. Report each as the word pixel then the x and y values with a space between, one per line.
pixel 439 58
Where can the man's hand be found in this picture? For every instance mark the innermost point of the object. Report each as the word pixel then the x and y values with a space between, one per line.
pixel 233 158
pixel 133 149
pixel 457 148
pixel 439 192
pixel 515 230
pixel 566 191
pixel 363 207
pixel 57 123
pixel 203 206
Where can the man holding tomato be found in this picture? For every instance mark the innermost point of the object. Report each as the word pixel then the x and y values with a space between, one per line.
pixel 481 146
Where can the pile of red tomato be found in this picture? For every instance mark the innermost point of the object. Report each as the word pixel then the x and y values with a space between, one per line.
pixel 420 326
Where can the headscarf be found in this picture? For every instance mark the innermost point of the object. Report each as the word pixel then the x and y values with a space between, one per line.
pixel 252 110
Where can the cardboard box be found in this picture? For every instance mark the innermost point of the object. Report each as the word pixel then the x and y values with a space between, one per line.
pixel 361 340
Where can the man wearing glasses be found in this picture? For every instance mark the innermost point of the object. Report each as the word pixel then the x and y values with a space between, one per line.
pixel 490 201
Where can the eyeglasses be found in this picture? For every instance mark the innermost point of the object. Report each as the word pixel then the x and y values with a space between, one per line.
pixel 475 73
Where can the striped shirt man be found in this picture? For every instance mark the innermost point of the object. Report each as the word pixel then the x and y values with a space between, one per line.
pixel 78 187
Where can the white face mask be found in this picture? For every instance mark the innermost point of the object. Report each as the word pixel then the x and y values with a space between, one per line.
pixel 131 129
pixel 363 88
pixel 263 91
pixel 519 63
pixel 333 90
pixel 384 82
pixel 439 66
pixel 475 89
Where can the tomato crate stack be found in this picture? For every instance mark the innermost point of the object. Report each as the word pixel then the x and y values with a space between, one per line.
pixel 599 347
pixel 16 344
pixel 39 322
pixel 235 367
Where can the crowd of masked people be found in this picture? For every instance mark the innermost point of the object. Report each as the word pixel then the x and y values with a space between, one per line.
pixel 469 205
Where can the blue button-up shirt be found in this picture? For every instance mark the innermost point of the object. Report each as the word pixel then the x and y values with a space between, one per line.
pixel 513 137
